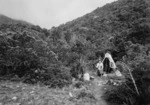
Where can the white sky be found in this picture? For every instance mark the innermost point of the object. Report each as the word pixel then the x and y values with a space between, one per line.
pixel 48 13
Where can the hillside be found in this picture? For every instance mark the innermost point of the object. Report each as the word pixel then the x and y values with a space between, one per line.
pixel 122 27
pixel 126 20
pixel 6 20
pixel 58 57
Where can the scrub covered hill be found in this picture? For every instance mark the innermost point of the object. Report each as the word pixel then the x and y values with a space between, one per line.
pixel 6 20
pixel 53 57
pixel 25 54
pixel 114 26
pixel 123 27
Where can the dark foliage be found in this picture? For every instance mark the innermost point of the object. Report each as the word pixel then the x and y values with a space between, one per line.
pixel 54 56
pixel 25 53
pixel 126 94
pixel 122 27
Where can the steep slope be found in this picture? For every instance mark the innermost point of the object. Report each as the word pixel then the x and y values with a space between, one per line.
pixel 25 53
pixel 122 27
pixel 72 48
pixel 102 28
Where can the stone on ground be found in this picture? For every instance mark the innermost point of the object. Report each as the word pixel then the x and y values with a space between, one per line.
pixel 86 77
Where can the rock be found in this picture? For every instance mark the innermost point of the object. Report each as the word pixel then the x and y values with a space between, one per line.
pixel 70 94
pixel 86 77
pixel 31 92
pixel 114 83
pixel 99 84
pixel 105 75
pixel 118 73
pixel 14 98
pixel 91 78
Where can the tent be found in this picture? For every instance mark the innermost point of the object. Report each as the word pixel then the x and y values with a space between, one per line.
pixel 107 65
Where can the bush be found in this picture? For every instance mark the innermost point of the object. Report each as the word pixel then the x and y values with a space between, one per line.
pixel 126 94
pixel 29 57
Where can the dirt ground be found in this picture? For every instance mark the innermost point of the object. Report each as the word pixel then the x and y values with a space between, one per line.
pixel 18 93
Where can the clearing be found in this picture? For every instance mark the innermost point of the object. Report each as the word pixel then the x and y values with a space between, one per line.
pixel 18 93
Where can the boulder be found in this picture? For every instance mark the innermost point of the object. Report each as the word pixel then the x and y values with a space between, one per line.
pixel 86 77
pixel 118 73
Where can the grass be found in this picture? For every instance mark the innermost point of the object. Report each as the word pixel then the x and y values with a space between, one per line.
pixel 78 93
pixel 25 94
pixel 18 93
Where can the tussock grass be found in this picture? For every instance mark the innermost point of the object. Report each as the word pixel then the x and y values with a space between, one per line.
pixel 18 93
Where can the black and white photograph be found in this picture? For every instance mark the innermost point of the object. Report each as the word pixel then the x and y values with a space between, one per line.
pixel 74 52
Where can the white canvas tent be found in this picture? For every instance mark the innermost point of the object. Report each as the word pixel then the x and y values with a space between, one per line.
pixel 101 65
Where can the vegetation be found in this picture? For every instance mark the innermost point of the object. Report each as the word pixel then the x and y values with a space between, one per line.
pixel 55 56
pixel 25 53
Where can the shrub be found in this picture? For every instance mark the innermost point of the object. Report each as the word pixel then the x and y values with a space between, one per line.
pixel 28 56
pixel 126 94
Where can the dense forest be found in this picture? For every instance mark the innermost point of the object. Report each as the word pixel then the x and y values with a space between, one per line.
pixel 55 56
